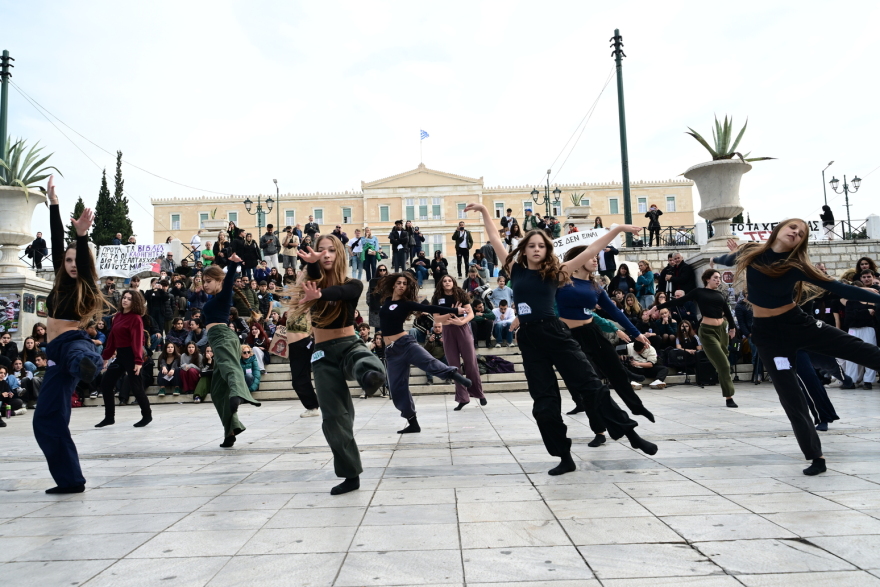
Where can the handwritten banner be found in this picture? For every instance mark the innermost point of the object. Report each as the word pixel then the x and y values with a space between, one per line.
pixel 129 260
pixel 578 239
pixel 760 231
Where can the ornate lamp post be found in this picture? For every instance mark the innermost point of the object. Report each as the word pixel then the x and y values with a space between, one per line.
pixel 545 201
pixel 278 209
pixel 248 204
pixel 856 183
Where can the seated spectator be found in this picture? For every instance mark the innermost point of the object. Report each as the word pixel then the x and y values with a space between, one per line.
pixel 197 334
pixel 259 342
pixel 665 328
pixel 39 335
pixel 31 386
pixel 421 326
pixel 364 334
pixel 686 339
pixel 238 325
pixel 504 317
pixel 275 277
pixel 617 296
pixel 98 339
pixel 642 360
pixel 9 396
pixel 378 345
pixel 190 368
pixel 203 387
pixel 687 311
pixel 177 334
pixel 169 370
pixel 434 346
pixel 29 354
pixel 250 367
pixel 289 277
pixel 358 319
pixel 196 296
pixel 261 273
pixel 481 264
pixel 19 371
pixel 264 298
pixel 481 325
pixel 473 280
pixel 623 281
pixel 631 307
pixel 502 292
pixel 420 265
pixel 8 350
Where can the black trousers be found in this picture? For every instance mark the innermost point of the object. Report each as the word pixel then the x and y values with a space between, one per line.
pixel 462 255
pixel 300 356
pixel 546 344
pixel 482 331
pixel 657 372
pixel 123 365
pixel 607 362
pixel 814 392
pixel 779 339
pixel 652 233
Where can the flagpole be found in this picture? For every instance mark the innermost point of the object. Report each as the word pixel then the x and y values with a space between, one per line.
pixel 421 157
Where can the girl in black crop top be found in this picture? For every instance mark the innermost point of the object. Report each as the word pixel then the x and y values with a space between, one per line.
pixel 398 292
pixel 339 354
pixel 545 342
pixel 74 300
pixel 776 271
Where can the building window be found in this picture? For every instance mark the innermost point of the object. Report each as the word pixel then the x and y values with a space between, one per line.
pixel 437 241
pixel 423 208
pixel 643 205
pixel 499 209
pixel 346 215
pixel 261 219
pixel 290 217
pixel 318 213
pixel 232 217
pixel 556 210
pixel 528 205
pixel 436 209
pixel 383 214
pixel 670 203
pixel 585 202
pixel 175 222
pixel 202 217
pixel 613 208
pixel 461 208
pixel 410 204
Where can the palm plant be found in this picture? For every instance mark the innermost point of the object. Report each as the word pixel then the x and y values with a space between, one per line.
pixel 576 199
pixel 23 169
pixel 721 135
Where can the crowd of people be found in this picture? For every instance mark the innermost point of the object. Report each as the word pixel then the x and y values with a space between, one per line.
pixel 208 329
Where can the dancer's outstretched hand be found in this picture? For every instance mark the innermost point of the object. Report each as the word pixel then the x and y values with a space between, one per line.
pixel 732 245
pixel 623 336
pixel 84 222
pixel 476 207
pixel 643 339
pixel 50 191
pixel 235 258
pixel 311 256
pixel 631 228
pixel 311 291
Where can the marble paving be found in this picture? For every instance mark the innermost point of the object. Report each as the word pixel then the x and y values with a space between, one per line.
pixel 466 502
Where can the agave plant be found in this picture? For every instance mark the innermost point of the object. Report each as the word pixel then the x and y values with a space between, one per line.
pixel 23 169
pixel 576 199
pixel 721 134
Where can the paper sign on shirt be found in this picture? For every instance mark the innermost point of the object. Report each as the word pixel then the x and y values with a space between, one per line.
pixel 317 356
pixel 523 309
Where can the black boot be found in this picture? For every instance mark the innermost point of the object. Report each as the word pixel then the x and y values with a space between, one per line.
pixel 459 378
pixel 411 427
pixel 566 465
pixel 346 486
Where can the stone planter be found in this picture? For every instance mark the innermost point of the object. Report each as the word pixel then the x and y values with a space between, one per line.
pixel 212 226
pixel 579 216
pixel 718 185
pixel 16 212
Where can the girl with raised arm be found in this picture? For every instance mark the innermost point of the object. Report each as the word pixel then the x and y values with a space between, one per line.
pixel 73 302
pixel 398 293
pixel 340 355
pixel 546 342
pixel 779 275
pixel 228 387
pixel 127 341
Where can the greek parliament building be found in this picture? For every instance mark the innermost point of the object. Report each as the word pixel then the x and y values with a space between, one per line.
pixel 433 200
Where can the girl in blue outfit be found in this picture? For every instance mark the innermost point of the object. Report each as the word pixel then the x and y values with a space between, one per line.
pixel 73 302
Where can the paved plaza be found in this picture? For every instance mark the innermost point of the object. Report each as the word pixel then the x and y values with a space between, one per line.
pixel 466 502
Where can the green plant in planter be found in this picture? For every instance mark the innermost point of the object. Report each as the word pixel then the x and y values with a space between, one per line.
pixel 23 169
pixel 213 213
pixel 721 135
pixel 576 199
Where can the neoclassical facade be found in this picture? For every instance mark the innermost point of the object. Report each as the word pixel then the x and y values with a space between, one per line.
pixel 433 200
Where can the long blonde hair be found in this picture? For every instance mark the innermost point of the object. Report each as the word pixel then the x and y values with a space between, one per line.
pixel 798 258
pixel 323 312
pixel 83 289
pixel 550 269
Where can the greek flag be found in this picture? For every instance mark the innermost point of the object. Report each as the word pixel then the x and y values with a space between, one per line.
pixel 424 135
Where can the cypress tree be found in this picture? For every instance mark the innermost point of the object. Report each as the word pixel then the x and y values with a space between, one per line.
pixel 77 210
pixel 120 202
pixel 106 225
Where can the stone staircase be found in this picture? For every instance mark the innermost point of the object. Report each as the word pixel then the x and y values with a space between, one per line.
pixel 275 383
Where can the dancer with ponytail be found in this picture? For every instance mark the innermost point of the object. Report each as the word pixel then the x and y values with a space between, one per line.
pixel 339 355
pixel 398 293
pixel 73 302
pixel 546 342
pixel 228 387
pixel 127 341
pixel 779 276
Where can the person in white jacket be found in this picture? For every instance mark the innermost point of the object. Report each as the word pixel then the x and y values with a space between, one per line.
pixel 504 317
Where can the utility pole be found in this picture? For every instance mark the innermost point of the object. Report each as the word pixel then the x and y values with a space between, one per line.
pixel 617 43
pixel 5 74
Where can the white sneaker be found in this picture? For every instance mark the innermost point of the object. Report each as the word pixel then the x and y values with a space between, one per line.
pixel 20 411
pixel 657 384
pixel 310 413
pixel 635 385
pixel 94 395
pixel 835 383
pixel 497 345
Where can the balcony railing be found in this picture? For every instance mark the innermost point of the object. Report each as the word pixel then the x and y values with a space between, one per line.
pixel 668 236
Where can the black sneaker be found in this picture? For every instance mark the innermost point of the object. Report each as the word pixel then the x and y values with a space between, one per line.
pixel 731 403
pixel 868 386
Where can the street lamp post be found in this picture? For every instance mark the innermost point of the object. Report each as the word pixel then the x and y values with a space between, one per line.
pixel 545 201
pixel 278 204
pixel 856 183
pixel 248 204
pixel 824 192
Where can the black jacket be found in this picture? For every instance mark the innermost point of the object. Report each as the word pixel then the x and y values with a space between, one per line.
pixel 744 317
pixel 398 237
pixel 249 253
pixel 653 217
pixel 460 235
pixel 610 261
pixel 683 278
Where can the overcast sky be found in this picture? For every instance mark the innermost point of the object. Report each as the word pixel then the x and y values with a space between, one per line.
pixel 226 96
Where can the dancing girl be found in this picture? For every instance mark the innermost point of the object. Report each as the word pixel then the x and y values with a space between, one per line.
pixel 73 302
pixel 228 387
pixel 546 342
pixel 398 292
pixel 127 341
pixel 716 328
pixel 779 275
pixel 339 355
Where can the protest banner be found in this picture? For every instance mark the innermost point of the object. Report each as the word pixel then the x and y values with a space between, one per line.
pixel 760 231
pixel 576 239
pixel 128 260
